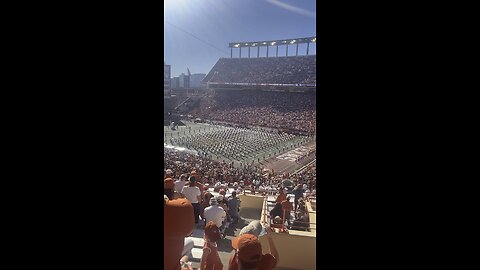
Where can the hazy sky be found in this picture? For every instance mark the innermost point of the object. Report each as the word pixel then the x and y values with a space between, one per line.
pixel 219 22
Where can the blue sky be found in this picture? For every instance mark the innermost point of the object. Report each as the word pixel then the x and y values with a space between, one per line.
pixel 219 22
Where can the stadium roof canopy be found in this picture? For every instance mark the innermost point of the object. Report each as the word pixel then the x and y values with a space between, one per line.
pixel 277 42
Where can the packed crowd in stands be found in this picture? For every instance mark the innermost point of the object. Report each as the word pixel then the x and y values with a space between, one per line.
pixel 189 204
pixel 270 70
pixel 290 112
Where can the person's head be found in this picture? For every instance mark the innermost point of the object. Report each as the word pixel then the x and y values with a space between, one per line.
pixel 192 180
pixel 168 173
pixel 212 233
pixel 178 223
pixel 168 186
pixel 249 251
pixel 208 196
pixel 234 194
pixel 277 220
pixel 183 177
pixel 220 198
pixel 213 201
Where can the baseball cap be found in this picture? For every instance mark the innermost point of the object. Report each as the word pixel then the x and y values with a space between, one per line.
pixel 213 201
pixel 192 179
pixel 168 183
pixel 212 232
pixel 178 217
pixel 249 249
pixel 169 171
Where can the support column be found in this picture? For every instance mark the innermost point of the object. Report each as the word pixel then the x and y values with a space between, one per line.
pixel 240 51
pixel 308 46
pixel 277 52
pixel 248 52
pixel 296 53
pixel 231 52
pixel 258 51
pixel 287 50
pixel 267 50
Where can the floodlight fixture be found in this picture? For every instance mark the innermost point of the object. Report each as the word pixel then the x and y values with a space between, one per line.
pixel 273 43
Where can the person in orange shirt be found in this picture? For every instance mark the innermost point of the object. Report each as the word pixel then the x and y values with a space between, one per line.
pixel 178 223
pixel 281 197
pixel 210 258
pixel 248 253
pixel 168 186
pixel 287 207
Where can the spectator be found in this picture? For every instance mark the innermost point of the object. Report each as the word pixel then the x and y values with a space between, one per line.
pixel 168 188
pixel 281 197
pixel 210 258
pixel 178 223
pixel 214 213
pixel 180 183
pixel 248 253
pixel 233 204
pixel 192 193
pixel 276 211
pixel 287 208
pixel 298 192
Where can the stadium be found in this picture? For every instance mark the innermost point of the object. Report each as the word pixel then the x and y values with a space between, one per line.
pixel 250 136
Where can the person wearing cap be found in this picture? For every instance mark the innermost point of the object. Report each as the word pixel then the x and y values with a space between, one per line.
pixel 214 213
pixel 168 186
pixel 233 204
pixel 178 224
pixel 192 193
pixel 168 173
pixel 248 253
pixel 210 258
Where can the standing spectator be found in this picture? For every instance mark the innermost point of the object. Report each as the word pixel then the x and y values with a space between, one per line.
pixel 298 192
pixel 281 196
pixel 210 258
pixel 192 193
pixel 287 208
pixel 233 204
pixel 180 183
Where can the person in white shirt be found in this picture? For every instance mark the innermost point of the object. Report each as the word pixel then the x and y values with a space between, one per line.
pixel 214 213
pixel 193 195
pixel 180 183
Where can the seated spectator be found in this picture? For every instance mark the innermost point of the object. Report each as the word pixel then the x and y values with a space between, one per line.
pixel 214 213
pixel 210 258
